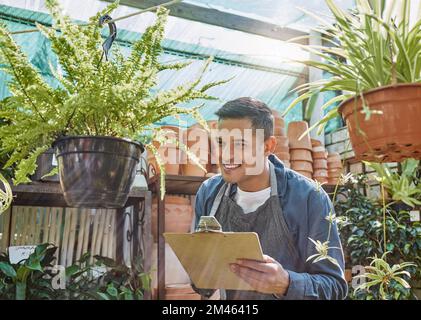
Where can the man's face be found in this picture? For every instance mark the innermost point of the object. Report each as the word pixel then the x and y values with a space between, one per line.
pixel 242 150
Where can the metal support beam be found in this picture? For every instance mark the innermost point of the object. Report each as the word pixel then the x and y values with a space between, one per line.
pixel 214 16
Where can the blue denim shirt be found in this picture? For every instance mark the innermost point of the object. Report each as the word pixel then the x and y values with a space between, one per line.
pixel 305 210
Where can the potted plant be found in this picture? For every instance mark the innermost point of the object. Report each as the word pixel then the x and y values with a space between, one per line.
pixel 405 188
pixel 373 57
pixel 368 230
pixel 96 115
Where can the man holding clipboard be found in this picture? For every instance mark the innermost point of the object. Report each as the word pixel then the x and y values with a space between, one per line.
pixel 255 192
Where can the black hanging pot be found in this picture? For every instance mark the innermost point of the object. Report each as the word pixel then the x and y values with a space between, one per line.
pixel 96 171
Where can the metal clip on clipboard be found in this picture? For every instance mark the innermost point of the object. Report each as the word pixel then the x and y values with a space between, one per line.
pixel 208 224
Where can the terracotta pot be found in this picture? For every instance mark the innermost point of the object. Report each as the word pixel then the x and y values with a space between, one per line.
pixel 320 173
pixel 334 165
pixel 177 200
pixel 180 292
pixel 315 143
pixel 282 141
pixel 348 275
pixel 170 154
pixel 333 181
pixel 172 132
pixel 279 149
pixel 191 169
pixel 302 166
pixel 333 156
pixel 178 215
pixel 295 130
pixel 278 119
pixel 173 159
pixel 301 154
pixel 286 163
pixel 319 155
pixel 320 179
pixel 197 141
pixel 334 173
pixel 279 131
pixel 392 135
pixel 178 288
pixel 283 155
pixel 305 174
pixel 319 164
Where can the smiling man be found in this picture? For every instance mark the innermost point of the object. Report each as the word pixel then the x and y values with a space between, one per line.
pixel 255 192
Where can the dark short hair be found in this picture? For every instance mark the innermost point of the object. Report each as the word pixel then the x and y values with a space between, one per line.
pixel 256 111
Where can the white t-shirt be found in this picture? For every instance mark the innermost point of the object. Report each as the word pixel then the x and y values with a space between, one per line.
pixel 250 201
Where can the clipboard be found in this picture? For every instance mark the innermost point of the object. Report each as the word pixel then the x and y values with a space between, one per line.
pixel 206 256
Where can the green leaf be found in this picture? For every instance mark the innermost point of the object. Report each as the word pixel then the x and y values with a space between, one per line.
pixel 7 269
pixel 103 296
pixel 112 291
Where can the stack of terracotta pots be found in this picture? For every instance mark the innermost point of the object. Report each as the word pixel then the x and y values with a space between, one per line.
pixel 335 169
pixel 319 161
pixel 300 149
pixel 282 142
pixel 178 215
pixel 197 141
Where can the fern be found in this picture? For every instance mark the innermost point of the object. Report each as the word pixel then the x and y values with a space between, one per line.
pixel 94 96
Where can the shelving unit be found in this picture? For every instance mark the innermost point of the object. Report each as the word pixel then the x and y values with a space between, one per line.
pixel 49 194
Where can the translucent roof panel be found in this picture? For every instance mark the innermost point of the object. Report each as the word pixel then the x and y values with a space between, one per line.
pixel 285 13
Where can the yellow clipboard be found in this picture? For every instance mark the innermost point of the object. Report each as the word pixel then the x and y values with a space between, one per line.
pixel 206 256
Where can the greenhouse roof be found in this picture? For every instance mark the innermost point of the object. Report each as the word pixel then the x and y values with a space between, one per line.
pixel 260 67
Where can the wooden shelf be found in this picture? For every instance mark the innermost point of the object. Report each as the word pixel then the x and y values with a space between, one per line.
pixel 175 184
pixel 50 194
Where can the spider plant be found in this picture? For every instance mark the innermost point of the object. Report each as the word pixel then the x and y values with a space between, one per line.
pixel 371 46
pixel 381 274
pixel 403 187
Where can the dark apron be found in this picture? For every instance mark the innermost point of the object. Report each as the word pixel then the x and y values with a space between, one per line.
pixel 267 221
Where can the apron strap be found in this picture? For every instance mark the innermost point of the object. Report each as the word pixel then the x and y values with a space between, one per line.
pixel 273 180
pixel 223 190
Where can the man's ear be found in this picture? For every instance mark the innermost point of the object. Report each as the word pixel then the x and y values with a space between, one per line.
pixel 270 145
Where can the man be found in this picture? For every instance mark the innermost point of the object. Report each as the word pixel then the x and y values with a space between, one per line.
pixel 283 207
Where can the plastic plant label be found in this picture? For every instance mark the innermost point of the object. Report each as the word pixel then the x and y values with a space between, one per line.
pixel 19 253
pixel 414 215
pixel 54 161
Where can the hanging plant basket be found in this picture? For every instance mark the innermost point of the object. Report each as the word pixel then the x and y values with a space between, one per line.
pixel 392 133
pixel 97 172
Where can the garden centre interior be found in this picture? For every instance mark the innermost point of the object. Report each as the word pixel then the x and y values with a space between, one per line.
pixel 97 96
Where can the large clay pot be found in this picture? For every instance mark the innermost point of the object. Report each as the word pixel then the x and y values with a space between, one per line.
pixel 392 135
pixel 97 172
pixel 295 130
pixel 301 155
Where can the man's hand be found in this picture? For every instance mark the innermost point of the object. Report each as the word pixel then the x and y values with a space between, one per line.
pixel 265 277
